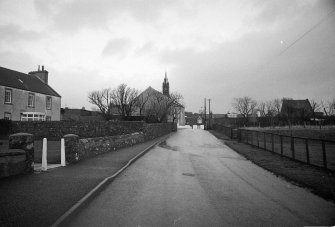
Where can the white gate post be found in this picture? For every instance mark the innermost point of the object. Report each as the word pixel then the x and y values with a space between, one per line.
pixel 44 155
pixel 62 152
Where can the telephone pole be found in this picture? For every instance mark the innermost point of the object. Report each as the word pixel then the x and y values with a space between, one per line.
pixel 205 115
pixel 209 113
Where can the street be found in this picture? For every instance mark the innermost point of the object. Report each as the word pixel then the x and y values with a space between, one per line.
pixel 193 179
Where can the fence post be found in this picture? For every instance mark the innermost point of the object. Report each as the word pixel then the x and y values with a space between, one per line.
pixel 62 152
pixel 292 147
pixel 252 137
pixel 281 145
pixel 231 133
pixel 264 141
pixel 272 141
pixel 324 154
pixel 307 151
pixel 257 139
pixel 44 155
pixel 239 135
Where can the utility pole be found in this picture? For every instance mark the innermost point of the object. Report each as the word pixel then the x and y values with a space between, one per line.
pixel 209 113
pixel 205 115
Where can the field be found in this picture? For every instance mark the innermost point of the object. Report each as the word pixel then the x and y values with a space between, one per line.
pixel 312 132
pixel 306 143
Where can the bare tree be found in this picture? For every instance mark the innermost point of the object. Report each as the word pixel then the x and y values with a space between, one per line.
pixel 277 104
pixel 103 100
pixel 315 107
pixel 270 108
pixel 142 100
pixel 328 107
pixel 124 99
pixel 262 107
pixel 160 106
pixel 245 106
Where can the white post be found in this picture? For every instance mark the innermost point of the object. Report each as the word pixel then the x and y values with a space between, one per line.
pixel 44 155
pixel 62 152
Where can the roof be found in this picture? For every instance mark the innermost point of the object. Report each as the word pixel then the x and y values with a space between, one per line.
pixel 150 91
pixel 296 104
pixel 15 79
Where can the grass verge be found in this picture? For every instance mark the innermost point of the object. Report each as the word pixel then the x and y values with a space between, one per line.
pixel 317 180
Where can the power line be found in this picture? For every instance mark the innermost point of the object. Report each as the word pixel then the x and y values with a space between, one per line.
pixel 308 31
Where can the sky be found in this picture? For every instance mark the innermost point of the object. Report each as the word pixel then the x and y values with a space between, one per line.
pixel 218 49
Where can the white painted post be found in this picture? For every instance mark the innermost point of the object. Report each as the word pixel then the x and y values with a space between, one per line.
pixel 62 152
pixel 44 155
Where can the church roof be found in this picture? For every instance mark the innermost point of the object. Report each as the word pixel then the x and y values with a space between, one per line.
pixel 15 79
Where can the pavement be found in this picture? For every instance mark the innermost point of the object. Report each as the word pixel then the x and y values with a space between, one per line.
pixel 43 198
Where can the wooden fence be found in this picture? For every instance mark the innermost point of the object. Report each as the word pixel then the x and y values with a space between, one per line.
pixel 316 152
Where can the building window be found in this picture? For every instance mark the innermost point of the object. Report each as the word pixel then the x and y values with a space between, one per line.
pixel 48 118
pixel 31 100
pixel 32 116
pixel 8 116
pixel 48 102
pixel 8 96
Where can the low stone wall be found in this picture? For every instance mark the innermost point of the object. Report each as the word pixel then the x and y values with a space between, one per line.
pixel 78 149
pixel 57 129
pixel 19 158
pixel 152 131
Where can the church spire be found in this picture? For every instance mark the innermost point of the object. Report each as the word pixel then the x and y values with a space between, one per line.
pixel 166 86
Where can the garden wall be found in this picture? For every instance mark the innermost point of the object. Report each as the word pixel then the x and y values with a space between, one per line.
pixel 77 149
pixel 57 129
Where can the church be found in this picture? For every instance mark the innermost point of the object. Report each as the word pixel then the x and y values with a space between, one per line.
pixel 162 106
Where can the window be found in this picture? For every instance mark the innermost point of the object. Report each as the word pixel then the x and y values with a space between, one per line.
pixel 32 116
pixel 48 118
pixel 31 100
pixel 8 96
pixel 8 116
pixel 48 102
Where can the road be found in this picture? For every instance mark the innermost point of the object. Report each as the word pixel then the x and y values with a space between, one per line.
pixel 195 180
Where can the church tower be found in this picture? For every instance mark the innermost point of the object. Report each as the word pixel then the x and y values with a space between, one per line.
pixel 166 86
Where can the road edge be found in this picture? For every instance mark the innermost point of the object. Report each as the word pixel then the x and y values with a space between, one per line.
pixel 62 220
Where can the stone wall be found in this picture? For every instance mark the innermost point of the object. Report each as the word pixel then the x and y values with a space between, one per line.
pixel 77 149
pixel 57 129
pixel 152 131
pixel 19 158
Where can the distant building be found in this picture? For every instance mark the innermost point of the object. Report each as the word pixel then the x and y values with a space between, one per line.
pixel 233 115
pixel 68 114
pixel 28 97
pixel 296 108
pixel 219 116
pixel 153 103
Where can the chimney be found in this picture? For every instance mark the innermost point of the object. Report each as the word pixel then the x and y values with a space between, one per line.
pixel 40 74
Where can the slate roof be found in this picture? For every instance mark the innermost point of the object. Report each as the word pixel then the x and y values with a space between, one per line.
pixel 151 91
pixel 295 106
pixel 15 79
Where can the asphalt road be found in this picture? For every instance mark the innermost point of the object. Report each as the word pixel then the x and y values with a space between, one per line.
pixel 195 180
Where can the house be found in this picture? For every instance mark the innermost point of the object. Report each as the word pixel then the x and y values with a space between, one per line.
pixel 82 114
pixel 28 97
pixel 152 103
pixel 296 108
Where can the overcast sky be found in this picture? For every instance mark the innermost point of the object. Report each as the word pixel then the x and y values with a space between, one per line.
pixel 216 49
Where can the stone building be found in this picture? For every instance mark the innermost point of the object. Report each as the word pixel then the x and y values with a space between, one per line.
pixel 155 103
pixel 28 97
